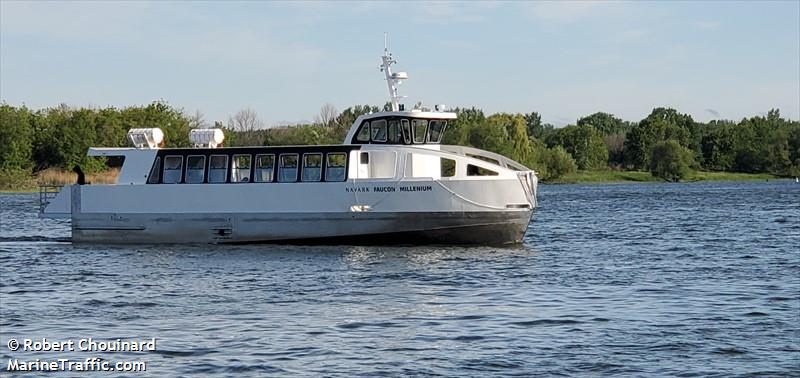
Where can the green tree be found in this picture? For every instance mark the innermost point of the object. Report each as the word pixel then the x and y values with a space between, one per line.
pixel 718 146
pixel 16 138
pixel 172 121
pixel 491 136
pixel 670 161
pixel 518 144
pixel 584 143
pixel 559 163
pixel 605 123
pixel 662 124
pixel 458 130
pixel 346 118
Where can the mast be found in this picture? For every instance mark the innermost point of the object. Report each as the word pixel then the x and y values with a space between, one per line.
pixel 393 80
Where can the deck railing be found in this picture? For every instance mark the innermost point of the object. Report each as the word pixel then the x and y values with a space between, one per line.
pixel 46 194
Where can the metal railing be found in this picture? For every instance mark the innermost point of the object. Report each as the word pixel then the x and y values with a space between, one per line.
pixel 46 194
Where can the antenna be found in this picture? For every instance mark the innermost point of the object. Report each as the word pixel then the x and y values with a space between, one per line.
pixel 393 80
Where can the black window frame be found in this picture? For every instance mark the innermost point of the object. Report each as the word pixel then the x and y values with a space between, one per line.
pixel 155 172
pixel 414 123
pixel 321 163
pixel 296 168
pixel 233 161
pixel 328 166
pixel 272 169
pixel 164 169
pixel 202 169
pixel 365 126
pixel 373 128
pixel 227 170
pixel 443 122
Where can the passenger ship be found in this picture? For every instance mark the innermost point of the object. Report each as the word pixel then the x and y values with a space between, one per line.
pixel 391 181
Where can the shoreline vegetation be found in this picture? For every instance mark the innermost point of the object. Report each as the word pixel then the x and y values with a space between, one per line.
pixel 633 177
pixel 41 146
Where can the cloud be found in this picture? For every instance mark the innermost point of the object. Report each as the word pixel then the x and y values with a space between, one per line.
pixel 562 11
pixel 452 12
pixel 707 24
pixel 76 20
pixel 631 35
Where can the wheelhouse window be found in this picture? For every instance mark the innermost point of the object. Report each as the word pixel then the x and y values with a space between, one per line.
pixel 265 165
pixel 195 169
pixel 335 168
pixel 287 169
pixel 240 168
pixel 394 134
pixel 378 130
pixel 363 134
pixel 155 172
pixel 436 130
pixel 406 127
pixel 173 168
pixel 312 167
pixel 420 127
pixel 218 168
pixel 474 170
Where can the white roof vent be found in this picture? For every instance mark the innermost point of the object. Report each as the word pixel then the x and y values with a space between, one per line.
pixel 146 138
pixel 206 137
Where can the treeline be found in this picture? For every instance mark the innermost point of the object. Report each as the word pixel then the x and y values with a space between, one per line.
pixel 667 143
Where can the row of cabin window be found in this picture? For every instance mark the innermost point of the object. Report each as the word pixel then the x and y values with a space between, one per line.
pixel 418 131
pixel 240 168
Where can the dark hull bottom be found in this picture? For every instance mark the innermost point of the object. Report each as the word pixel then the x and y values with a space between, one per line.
pixel 499 234
pixel 489 228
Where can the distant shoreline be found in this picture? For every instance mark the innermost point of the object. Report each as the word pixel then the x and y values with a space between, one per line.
pixel 634 177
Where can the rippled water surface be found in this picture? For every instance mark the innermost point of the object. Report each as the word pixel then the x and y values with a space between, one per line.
pixel 647 280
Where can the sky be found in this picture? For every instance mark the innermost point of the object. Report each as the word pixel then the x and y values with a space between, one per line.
pixel 285 60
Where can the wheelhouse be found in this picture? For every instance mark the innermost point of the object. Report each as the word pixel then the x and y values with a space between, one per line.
pixel 400 128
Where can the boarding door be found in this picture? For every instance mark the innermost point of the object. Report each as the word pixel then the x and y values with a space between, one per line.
pixel 363 165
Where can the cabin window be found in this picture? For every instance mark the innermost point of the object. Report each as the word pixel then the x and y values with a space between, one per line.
pixel 265 164
pixel 448 167
pixel 240 168
pixel 406 127
pixel 363 134
pixel 335 169
pixel 365 158
pixel 287 170
pixel 394 134
pixel 195 169
pixel 379 130
pixel 218 168
pixel 173 168
pixel 155 172
pixel 435 132
pixel 484 158
pixel 474 170
pixel 420 127
pixel 312 167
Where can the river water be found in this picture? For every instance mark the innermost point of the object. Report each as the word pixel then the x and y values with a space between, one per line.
pixel 697 279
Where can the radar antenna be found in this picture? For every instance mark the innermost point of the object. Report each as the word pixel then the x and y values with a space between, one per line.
pixel 393 80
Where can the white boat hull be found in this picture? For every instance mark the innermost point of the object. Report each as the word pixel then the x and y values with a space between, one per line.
pixel 455 210
pixel 493 228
